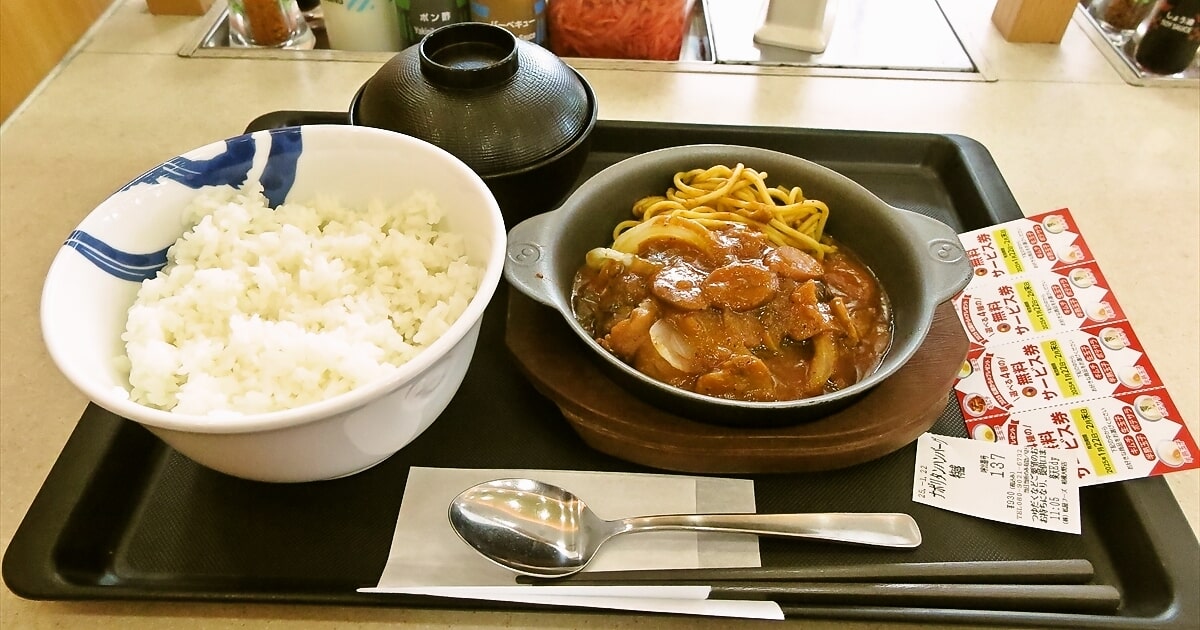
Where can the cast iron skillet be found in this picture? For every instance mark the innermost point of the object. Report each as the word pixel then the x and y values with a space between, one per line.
pixel 918 261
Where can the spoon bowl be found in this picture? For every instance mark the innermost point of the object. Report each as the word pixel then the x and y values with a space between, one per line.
pixel 541 530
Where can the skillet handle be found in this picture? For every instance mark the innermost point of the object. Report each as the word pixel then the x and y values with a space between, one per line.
pixel 944 263
pixel 527 265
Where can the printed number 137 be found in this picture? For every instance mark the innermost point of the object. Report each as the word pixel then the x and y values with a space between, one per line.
pixel 995 465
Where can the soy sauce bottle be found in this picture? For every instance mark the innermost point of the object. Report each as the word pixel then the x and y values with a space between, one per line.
pixel 1172 37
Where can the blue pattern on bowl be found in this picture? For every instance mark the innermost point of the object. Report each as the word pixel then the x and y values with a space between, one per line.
pixel 230 167
pixel 124 265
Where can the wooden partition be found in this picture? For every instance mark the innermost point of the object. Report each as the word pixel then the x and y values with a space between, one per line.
pixel 34 37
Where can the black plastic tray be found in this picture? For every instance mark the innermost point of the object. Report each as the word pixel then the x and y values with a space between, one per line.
pixel 122 516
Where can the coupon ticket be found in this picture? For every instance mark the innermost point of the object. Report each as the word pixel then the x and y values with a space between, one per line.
pixel 1125 436
pixel 1028 245
pixel 1053 361
pixel 1024 306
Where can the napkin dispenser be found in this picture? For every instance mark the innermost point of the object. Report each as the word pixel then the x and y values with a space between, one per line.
pixel 1033 21
pixel 797 24
pixel 178 7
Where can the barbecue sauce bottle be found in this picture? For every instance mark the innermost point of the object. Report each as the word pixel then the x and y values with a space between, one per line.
pixel 1172 36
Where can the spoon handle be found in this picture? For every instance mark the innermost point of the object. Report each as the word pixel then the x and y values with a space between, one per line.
pixel 858 528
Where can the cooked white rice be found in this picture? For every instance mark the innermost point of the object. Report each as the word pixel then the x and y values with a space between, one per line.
pixel 260 310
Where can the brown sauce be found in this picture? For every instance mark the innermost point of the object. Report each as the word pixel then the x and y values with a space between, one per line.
pixel 743 319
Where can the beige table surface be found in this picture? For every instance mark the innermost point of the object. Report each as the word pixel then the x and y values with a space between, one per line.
pixel 1063 127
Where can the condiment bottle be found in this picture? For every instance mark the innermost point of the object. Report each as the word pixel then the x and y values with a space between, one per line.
pixel 423 16
pixel 311 10
pixel 269 23
pixel 364 25
pixel 522 18
pixel 1172 37
pixel 1121 17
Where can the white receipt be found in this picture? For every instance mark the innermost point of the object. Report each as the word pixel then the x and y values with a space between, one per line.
pixel 1022 485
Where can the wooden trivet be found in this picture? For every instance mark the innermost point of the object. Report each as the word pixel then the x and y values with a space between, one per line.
pixel 613 421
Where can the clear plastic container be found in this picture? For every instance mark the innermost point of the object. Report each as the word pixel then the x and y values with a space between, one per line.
pixel 1120 18
pixel 618 29
pixel 364 26
pixel 269 24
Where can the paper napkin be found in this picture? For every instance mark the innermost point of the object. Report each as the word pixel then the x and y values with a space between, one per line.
pixel 428 558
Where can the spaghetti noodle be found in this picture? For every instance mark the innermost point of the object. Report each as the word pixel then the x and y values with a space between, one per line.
pixel 716 197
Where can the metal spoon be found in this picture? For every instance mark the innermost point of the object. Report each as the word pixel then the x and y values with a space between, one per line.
pixel 542 530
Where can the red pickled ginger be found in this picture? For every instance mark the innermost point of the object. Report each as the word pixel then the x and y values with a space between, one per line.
pixel 618 29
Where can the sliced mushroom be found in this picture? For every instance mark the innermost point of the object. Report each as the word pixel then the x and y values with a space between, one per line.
pixel 823 361
pixel 842 314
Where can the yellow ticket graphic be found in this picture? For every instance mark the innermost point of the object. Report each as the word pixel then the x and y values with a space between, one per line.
pixel 1090 441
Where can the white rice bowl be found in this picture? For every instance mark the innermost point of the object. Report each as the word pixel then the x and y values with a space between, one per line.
pixel 281 367
pixel 262 309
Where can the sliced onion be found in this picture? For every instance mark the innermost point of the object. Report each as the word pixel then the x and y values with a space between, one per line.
pixel 672 346
pixel 664 226
pixel 595 258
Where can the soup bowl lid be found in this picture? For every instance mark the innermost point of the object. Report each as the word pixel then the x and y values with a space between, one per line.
pixel 496 102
